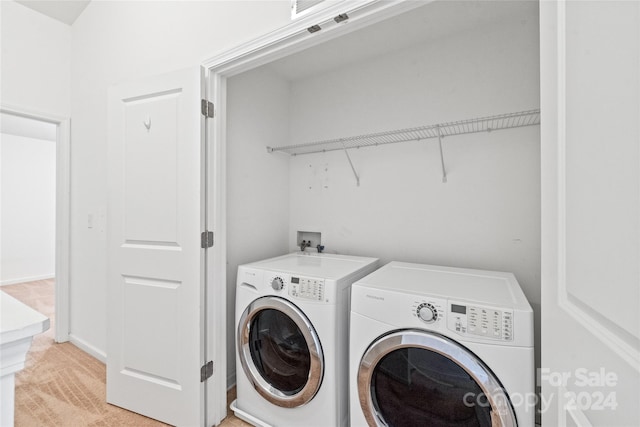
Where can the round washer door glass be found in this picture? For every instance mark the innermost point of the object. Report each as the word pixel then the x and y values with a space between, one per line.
pixel 280 352
pixel 410 378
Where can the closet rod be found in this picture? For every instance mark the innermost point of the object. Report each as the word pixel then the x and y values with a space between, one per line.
pixel 440 130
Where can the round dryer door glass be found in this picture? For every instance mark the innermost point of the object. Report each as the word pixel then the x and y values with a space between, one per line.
pixel 280 352
pixel 411 378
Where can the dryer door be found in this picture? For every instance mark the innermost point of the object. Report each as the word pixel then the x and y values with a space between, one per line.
pixel 414 377
pixel 280 352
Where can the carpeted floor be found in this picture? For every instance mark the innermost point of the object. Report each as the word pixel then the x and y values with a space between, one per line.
pixel 63 386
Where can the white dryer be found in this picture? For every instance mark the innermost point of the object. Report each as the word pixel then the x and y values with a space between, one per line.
pixel 292 337
pixel 439 346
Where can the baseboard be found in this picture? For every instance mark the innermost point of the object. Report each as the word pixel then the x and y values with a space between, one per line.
pixel 26 279
pixel 88 348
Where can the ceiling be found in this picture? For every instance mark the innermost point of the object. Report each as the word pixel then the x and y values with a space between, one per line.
pixel 65 11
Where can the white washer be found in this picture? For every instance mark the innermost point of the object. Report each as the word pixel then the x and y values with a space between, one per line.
pixel 440 346
pixel 292 339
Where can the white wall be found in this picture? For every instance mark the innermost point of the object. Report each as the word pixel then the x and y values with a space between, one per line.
pixel 258 182
pixel 114 42
pixel 36 61
pixel 28 201
pixel 487 215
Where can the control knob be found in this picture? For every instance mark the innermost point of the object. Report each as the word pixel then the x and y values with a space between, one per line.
pixel 277 284
pixel 427 313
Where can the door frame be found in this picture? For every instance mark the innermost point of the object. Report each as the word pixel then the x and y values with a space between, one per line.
pixel 63 208
pixel 287 40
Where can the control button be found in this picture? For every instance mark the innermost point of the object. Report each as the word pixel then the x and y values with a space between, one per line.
pixel 277 284
pixel 427 313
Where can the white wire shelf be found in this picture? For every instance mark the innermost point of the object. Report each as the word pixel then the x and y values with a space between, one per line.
pixel 461 127
pixel 440 130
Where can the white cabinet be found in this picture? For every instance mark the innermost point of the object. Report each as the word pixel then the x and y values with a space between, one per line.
pixel 18 325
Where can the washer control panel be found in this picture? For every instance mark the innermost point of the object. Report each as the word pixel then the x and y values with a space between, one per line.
pixel 307 288
pixel 482 321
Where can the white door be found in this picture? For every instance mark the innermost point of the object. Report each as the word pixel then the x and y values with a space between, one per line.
pixel 590 102
pixel 155 277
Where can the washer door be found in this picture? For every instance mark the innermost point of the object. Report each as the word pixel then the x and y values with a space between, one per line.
pixel 413 377
pixel 280 352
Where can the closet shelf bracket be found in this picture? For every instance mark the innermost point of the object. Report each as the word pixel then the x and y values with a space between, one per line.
pixel 352 167
pixel 444 172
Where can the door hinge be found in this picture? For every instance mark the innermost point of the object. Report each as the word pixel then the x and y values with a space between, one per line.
pixel 206 239
pixel 206 371
pixel 206 108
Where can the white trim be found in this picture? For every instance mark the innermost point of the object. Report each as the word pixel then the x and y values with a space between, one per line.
pixel 88 348
pixel 63 230
pixel 215 292
pixel 295 36
pixel 26 279
pixel 29 113
pixel 561 149
pixel 609 336
pixel 63 209
pixel 217 256
pixel 207 391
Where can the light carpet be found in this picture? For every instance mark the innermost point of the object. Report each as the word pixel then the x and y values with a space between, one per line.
pixel 62 385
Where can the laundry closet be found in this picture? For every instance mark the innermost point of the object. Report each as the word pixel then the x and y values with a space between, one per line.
pixel 468 200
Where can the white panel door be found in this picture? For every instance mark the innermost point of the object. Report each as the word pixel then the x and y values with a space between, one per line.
pixel 155 306
pixel 590 102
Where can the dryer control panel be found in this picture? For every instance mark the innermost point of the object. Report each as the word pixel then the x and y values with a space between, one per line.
pixel 307 288
pixel 481 321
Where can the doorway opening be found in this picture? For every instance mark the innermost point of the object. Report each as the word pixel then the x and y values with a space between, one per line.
pixel 34 218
